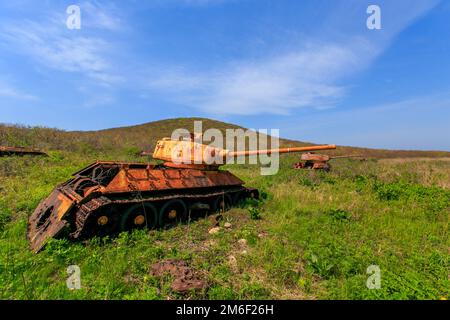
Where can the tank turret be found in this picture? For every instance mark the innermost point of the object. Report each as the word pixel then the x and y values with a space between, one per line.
pixel 180 152
pixel 106 198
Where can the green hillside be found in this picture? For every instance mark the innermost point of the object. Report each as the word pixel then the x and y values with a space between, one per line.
pixel 143 137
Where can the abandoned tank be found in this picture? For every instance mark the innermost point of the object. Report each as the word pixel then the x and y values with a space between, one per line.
pixel 20 151
pixel 106 198
pixel 311 160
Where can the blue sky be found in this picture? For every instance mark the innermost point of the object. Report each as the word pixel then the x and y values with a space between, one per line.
pixel 310 68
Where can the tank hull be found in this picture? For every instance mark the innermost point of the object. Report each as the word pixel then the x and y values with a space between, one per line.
pixel 109 197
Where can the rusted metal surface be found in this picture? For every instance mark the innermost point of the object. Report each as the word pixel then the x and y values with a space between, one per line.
pixel 48 221
pixel 72 202
pixel 149 178
pixel 314 157
pixel 189 151
pixel 281 150
pixel 108 197
pixel 7 151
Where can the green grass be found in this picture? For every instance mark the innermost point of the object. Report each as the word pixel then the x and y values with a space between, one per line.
pixel 313 237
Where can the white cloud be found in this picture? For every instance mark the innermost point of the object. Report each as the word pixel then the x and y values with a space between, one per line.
pixel 307 76
pixel 48 43
pixel 8 91
pixel 52 45
pixel 276 85
pixel 104 16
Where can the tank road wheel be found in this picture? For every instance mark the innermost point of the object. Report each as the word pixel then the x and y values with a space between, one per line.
pixel 223 203
pixel 139 216
pixel 103 223
pixel 172 212
pixel 239 198
pixel 253 194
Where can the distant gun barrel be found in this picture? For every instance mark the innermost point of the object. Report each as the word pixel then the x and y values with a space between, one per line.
pixel 279 150
pixel 346 156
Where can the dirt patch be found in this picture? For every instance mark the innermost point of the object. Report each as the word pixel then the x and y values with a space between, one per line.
pixel 185 278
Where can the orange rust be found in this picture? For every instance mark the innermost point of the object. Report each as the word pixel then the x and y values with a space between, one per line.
pixel 191 152
pixel 64 205
pixel 313 160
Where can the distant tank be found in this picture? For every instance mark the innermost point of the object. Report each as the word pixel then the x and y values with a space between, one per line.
pixel 20 151
pixel 109 197
pixel 317 161
pixel 144 153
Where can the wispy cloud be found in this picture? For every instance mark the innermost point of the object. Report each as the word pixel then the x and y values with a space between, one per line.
pixel 306 76
pixel 8 91
pixel 51 44
pixel 276 85
pixel 87 52
pixel 105 16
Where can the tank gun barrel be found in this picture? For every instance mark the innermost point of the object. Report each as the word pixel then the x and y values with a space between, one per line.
pixel 280 150
pixel 347 156
pixel 20 151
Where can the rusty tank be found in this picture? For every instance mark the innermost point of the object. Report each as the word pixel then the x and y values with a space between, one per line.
pixel 317 161
pixel 106 198
pixel 20 151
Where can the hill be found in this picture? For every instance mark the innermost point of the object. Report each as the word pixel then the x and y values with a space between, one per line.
pixel 131 139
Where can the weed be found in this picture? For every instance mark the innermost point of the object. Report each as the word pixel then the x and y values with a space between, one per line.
pixel 255 214
pixel 339 214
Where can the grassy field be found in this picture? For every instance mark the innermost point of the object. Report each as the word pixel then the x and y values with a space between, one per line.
pixel 312 237
pixel 317 234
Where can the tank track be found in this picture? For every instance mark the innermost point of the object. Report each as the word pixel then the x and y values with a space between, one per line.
pixel 84 212
pixel 88 208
